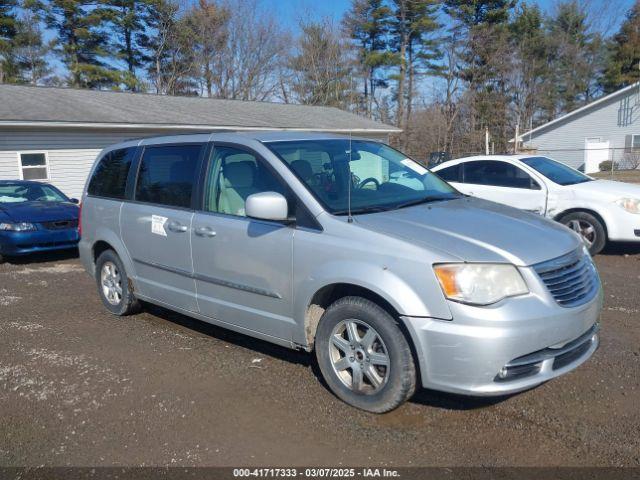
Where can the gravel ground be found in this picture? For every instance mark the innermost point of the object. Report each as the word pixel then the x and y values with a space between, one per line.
pixel 81 387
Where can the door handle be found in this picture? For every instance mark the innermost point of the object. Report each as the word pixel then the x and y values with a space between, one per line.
pixel 204 232
pixel 177 227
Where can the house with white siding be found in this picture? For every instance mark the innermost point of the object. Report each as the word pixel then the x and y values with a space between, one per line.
pixel 606 129
pixel 55 134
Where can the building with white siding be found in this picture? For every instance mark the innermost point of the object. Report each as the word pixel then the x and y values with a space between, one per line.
pixel 606 129
pixel 55 134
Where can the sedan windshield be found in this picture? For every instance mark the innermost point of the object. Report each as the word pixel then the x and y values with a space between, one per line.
pixel 28 192
pixel 372 176
pixel 555 171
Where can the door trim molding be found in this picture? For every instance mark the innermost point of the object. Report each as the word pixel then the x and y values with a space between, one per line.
pixel 209 279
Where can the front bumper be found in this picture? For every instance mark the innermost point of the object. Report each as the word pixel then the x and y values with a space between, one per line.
pixel 24 243
pixel 622 226
pixel 466 355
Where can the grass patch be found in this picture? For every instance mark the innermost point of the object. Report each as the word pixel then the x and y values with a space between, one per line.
pixel 631 176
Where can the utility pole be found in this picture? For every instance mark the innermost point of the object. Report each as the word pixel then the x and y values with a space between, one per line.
pixel 486 140
pixel 515 143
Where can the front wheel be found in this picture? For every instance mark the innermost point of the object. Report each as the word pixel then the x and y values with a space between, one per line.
pixel 589 228
pixel 364 356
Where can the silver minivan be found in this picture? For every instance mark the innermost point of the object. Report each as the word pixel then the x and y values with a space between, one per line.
pixel 347 248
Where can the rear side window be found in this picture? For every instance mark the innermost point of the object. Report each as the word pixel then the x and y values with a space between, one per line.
pixel 110 176
pixel 497 174
pixel 167 174
pixel 450 174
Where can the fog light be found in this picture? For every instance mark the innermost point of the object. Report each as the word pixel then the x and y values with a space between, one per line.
pixel 503 372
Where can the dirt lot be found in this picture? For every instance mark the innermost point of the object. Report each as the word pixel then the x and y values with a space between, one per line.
pixel 81 387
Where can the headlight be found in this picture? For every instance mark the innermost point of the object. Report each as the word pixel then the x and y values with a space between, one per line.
pixel 17 227
pixel 479 284
pixel 631 205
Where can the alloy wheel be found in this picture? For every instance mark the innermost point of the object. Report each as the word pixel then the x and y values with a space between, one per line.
pixel 111 282
pixel 586 231
pixel 359 356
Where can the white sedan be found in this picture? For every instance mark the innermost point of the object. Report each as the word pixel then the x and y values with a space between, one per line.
pixel 598 210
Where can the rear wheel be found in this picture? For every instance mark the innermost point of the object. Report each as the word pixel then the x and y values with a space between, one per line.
pixel 364 356
pixel 590 229
pixel 113 285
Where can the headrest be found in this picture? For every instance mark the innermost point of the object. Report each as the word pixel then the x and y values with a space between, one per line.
pixel 239 174
pixel 302 168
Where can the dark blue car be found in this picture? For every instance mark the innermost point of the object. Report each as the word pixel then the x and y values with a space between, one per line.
pixel 35 217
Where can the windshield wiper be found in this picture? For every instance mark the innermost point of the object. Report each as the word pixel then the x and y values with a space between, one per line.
pixel 357 211
pixel 420 201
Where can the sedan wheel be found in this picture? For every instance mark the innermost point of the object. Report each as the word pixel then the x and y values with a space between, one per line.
pixel 589 228
pixel 585 230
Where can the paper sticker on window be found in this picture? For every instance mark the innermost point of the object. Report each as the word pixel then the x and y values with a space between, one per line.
pixel 157 225
pixel 415 166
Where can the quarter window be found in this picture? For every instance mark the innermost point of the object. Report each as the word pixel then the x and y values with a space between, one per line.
pixel 33 166
pixel 167 174
pixel 110 176
pixel 498 174
pixel 450 174
pixel 233 175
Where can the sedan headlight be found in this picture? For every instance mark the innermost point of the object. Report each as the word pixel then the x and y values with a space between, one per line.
pixel 17 227
pixel 631 205
pixel 479 283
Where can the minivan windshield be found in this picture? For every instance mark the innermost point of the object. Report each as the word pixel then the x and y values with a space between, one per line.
pixel 374 176
pixel 556 171
pixel 29 192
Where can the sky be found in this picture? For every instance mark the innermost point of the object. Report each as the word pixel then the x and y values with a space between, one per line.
pixel 291 11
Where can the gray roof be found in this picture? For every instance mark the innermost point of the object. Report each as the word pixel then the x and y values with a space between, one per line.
pixel 25 105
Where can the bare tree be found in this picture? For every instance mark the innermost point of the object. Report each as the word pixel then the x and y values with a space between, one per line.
pixel 247 65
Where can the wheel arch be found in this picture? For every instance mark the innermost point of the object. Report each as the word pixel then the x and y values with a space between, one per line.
pixel 106 239
pixel 330 293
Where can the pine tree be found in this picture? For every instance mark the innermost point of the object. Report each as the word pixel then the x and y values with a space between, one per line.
pixel 82 42
pixel 577 56
pixel 368 23
pixel 169 45
pixel 207 21
pixel 8 30
pixel 127 21
pixel 483 27
pixel 531 88
pixel 321 69
pixel 623 62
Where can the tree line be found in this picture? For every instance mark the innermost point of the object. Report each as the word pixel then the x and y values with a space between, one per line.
pixel 444 71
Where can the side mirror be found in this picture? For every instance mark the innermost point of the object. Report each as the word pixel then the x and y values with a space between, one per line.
pixel 74 200
pixel 267 206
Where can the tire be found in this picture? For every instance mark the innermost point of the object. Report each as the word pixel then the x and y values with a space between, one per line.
pixel 589 227
pixel 123 302
pixel 377 333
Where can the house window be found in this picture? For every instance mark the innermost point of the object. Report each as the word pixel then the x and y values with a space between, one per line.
pixel 33 165
pixel 635 143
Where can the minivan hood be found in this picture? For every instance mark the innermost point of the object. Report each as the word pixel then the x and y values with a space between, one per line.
pixel 40 211
pixel 476 230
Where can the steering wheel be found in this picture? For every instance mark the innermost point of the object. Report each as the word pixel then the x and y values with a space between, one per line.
pixel 369 180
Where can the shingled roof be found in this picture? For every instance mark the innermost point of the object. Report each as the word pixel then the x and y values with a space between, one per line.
pixel 48 106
